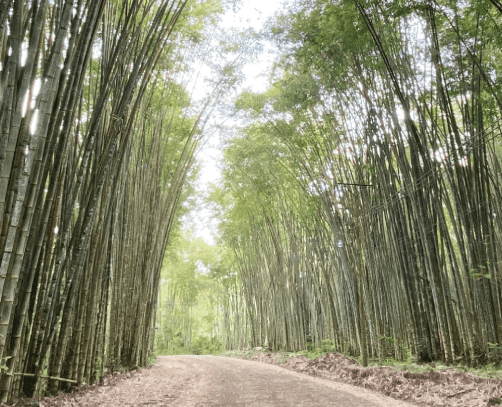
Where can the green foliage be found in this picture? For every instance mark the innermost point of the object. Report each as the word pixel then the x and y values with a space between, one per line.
pixel 480 271
pixel 198 15
pixel 406 354
pixel 328 346
pixel 201 345
pixel 4 366
pixel 197 282
pixel 324 36
pixel 494 351
pixel 205 346
pixel 387 339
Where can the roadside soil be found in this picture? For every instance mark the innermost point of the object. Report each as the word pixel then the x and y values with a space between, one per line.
pixel 334 380
pixel 436 388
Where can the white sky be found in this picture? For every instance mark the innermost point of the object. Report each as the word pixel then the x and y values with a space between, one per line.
pixel 252 14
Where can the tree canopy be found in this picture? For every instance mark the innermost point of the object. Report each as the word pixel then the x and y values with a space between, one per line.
pixel 365 189
pixel 359 201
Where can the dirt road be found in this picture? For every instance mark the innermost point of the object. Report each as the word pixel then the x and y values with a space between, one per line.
pixel 209 381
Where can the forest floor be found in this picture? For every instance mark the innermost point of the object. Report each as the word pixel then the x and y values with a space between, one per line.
pixel 332 380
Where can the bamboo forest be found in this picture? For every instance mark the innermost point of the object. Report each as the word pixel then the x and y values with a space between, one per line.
pixel 357 206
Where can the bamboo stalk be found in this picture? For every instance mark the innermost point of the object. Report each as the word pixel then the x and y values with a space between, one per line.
pixel 42 377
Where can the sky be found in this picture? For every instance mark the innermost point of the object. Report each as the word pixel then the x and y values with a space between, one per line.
pixel 252 14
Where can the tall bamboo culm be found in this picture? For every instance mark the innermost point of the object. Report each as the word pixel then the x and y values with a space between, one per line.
pixel 376 221
pixel 92 164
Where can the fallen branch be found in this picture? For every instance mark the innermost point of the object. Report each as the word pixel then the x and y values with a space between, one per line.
pixel 44 377
pixel 460 392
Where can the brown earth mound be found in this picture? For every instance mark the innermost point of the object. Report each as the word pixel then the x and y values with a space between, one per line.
pixel 68 399
pixel 436 388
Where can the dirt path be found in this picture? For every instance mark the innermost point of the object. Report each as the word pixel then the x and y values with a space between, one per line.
pixel 208 381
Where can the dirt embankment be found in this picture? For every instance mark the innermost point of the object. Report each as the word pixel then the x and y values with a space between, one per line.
pixel 435 388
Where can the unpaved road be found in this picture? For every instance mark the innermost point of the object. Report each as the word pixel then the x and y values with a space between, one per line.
pixel 209 381
pixel 237 382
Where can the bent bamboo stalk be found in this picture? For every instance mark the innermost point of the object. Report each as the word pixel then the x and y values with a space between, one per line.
pixel 43 377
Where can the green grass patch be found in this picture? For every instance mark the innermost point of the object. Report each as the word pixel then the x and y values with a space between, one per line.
pixel 202 345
